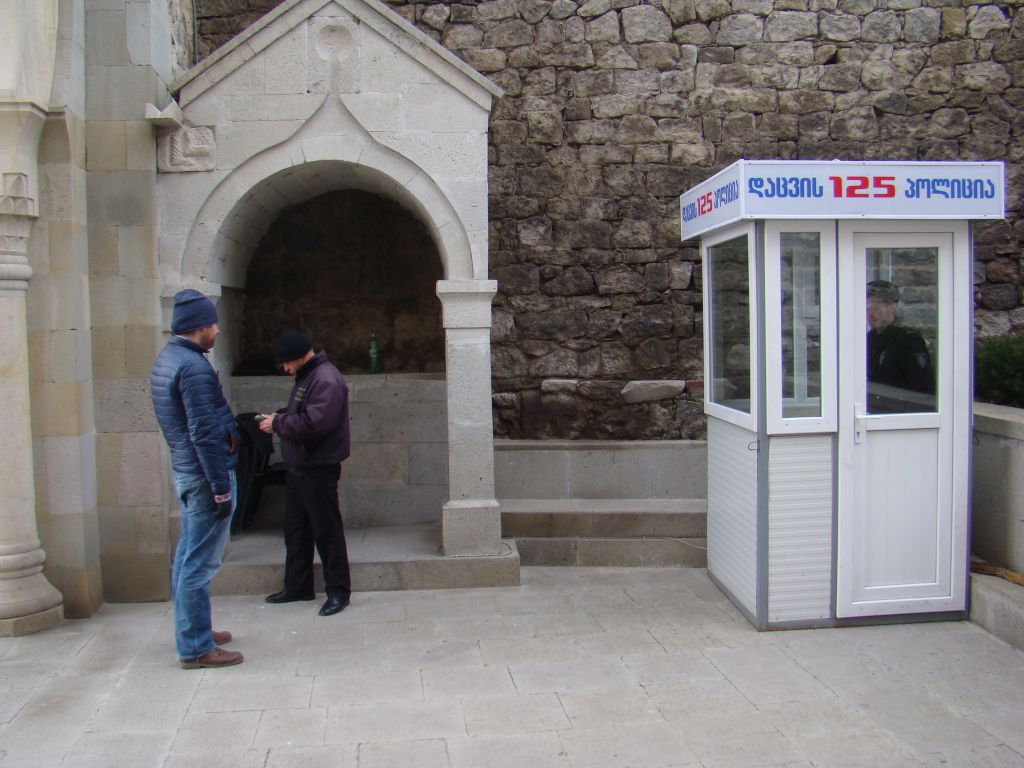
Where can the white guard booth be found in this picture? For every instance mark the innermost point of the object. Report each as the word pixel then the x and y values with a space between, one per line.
pixel 838 303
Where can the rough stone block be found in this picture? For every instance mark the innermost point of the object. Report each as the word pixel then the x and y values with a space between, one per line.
pixel 428 464
pixel 136 252
pixel 397 422
pixel 286 61
pixel 397 388
pixel 57 302
pixel 59 355
pixel 550 552
pixel 237 142
pixel 420 112
pixel 149 39
pixel 142 477
pixel 69 470
pixel 471 527
pixel 681 472
pixel 119 92
pixel 641 552
pixel 375 464
pixel 81 587
pixel 125 198
pixel 137 578
pixel 142 343
pixel 61 409
pixel 437 154
pixel 392 505
pixel 523 473
pixel 105 146
pixel 997 527
pixel 106 35
pixel 103 249
pixel 123 405
pixel 997 606
pixel 108 352
pixel 108 472
pixel 609 474
pixel 151 530
pixel 68 248
pixel 644 391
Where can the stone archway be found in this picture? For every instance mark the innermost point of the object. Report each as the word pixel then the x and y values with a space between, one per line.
pixel 322 96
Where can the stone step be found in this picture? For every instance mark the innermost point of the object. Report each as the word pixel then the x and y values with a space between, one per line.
pixel 613 552
pixel 607 532
pixel 620 518
pixel 997 606
pixel 380 558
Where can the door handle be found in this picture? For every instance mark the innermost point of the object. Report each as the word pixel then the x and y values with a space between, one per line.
pixel 859 421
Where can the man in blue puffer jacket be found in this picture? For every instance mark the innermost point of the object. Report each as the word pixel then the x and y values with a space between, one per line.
pixel 202 436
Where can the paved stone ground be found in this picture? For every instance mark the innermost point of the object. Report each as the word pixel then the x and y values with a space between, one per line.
pixel 577 668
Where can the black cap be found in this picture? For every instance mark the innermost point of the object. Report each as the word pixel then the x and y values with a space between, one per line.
pixel 884 290
pixel 291 345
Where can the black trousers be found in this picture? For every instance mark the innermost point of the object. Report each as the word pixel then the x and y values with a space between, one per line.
pixel 312 516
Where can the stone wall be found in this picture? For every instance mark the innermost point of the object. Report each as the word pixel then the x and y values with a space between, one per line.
pixel 340 268
pixel 614 107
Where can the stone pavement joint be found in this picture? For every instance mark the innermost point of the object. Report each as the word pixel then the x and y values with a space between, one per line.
pixel 575 668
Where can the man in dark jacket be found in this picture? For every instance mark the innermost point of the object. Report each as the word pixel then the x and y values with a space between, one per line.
pixel 314 434
pixel 202 437
pixel 898 357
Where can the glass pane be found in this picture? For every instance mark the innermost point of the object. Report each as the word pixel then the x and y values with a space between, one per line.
pixel 801 324
pixel 902 328
pixel 729 283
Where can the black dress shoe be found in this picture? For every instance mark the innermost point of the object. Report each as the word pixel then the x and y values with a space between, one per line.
pixel 333 605
pixel 284 596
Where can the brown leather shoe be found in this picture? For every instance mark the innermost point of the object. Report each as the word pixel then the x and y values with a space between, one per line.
pixel 221 638
pixel 218 657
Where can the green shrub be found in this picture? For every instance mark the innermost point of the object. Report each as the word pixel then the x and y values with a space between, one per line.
pixel 999 371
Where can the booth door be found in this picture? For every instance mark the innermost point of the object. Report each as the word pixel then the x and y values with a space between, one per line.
pixel 896 428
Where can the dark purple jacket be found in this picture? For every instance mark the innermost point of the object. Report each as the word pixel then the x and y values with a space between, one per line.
pixel 314 427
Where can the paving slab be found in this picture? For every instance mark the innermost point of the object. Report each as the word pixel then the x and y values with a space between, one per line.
pixel 573 668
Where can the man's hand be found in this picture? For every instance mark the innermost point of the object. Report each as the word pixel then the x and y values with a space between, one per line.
pixel 266 423
pixel 223 503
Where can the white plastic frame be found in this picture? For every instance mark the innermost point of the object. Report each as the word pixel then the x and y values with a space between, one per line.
pixel 747 421
pixel 776 422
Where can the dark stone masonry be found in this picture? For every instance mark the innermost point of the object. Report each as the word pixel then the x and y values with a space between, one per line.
pixel 615 107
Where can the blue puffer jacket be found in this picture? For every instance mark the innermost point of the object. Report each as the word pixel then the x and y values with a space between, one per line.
pixel 193 414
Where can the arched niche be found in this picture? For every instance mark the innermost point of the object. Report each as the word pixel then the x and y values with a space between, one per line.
pixel 346 266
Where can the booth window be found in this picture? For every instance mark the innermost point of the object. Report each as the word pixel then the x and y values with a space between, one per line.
pixel 801 324
pixel 728 274
pixel 902 328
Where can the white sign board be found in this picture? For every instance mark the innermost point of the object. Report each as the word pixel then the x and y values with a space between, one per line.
pixel 813 189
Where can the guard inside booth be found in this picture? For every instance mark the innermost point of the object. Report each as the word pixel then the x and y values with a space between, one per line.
pixel 899 369
pixel 838 384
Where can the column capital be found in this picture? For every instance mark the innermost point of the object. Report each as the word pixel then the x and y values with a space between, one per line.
pixel 466 303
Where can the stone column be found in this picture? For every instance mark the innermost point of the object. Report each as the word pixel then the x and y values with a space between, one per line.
pixel 471 520
pixel 28 602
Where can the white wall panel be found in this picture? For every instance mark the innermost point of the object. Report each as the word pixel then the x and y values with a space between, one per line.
pixel 800 528
pixel 732 510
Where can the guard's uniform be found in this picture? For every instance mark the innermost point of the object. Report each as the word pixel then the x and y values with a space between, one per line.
pixel 898 357
pixel 315 439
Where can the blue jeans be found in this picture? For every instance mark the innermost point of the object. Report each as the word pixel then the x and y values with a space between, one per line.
pixel 199 553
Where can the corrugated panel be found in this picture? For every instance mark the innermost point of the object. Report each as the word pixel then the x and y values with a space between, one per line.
pixel 799 528
pixel 732 510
